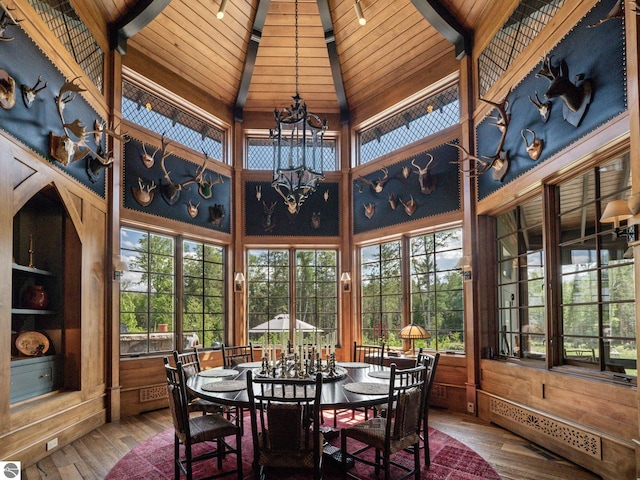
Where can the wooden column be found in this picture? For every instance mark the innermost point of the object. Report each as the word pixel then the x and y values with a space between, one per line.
pixel 470 247
pixel 237 330
pixel 347 325
pixel 633 100
pixel 113 93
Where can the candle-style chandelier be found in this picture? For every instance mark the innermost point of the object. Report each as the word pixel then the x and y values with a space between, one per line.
pixel 298 146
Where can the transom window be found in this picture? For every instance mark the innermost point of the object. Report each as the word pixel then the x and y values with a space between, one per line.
pixel 260 154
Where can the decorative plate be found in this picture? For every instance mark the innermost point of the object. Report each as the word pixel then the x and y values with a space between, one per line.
pixel 32 343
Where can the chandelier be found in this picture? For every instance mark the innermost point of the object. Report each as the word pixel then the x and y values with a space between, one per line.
pixel 297 148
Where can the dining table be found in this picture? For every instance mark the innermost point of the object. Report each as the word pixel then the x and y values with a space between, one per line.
pixel 354 385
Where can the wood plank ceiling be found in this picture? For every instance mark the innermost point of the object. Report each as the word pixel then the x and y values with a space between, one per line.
pixel 209 53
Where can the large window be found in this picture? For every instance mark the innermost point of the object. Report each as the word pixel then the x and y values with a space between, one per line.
pixel 149 321
pixel 521 300
pixel 203 281
pixel 381 298
pixel 284 280
pixel 598 289
pixel 590 313
pixel 434 290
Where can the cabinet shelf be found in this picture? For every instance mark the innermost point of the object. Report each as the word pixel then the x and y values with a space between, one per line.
pixel 33 270
pixel 31 311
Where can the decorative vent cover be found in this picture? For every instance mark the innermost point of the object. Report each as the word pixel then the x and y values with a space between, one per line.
pixel 150 394
pixel 576 438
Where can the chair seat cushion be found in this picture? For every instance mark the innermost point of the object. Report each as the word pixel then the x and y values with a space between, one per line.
pixel 201 405
pixel 302 458
pixel 210 427
pixel 372 432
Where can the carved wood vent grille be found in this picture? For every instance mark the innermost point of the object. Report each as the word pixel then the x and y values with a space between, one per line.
pixel 576 438
pixel 149 394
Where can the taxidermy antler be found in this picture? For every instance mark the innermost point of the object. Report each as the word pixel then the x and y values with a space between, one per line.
pixel 499 162
pixel 144 193
pixel 66 150
pixel 6 21
pixel 204 184
pixel 544 108
pixel 29 94
pixel 427 181
pixel 378 185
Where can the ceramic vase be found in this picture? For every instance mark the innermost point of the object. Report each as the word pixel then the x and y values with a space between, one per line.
pixel 35 297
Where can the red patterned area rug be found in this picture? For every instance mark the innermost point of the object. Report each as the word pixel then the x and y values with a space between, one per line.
pixel 450 460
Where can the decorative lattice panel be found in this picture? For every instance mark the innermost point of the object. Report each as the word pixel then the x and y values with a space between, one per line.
pixel 434 114
pixel 260 154
pixel 524 24
pixel 65 24
pixel 570 435
pixel 160 116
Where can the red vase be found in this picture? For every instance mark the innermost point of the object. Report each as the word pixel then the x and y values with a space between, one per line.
pixel 35 297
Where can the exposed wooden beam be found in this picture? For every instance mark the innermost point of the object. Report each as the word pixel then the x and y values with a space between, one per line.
pixel 135 20
pixel 446 24
pixel 250 58
pixel 334 59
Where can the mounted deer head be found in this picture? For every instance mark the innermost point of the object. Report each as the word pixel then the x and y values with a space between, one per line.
pixel 205 186
pixel 65 149
pixel 29 94
pixel 499 161
pixel 6 21
pixel 144 193
pixel 216 214
pixel 369 210
pixel 378 185
pixel 192 209
pixel 427 181
pixel 7 90
pixel 267 220
pixel 544 108
pixel 410 206
pixel 535 147
pixel 148 160
pixel 315 220
pixel 392 201
pixel 576 96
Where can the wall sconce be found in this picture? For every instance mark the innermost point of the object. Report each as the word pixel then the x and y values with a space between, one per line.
pixel 223 7
pixel 345 278
pixel 119 267
pixel 358 7
pixel 464 263
pixel 238 282
pixel 615 212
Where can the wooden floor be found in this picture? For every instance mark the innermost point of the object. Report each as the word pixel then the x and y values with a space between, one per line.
pixel 513 457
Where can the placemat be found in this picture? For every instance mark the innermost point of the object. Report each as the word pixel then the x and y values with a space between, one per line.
pixel 225 386
pixel 249 365
pixel 380 374
pixel 354 364
pixel 218 372
pixel 367 388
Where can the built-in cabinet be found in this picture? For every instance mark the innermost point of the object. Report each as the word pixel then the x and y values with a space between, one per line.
pixel 37 303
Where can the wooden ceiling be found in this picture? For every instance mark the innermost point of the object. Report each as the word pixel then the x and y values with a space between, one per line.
pixel 210 53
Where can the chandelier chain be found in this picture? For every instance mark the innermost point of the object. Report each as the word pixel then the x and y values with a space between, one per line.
pixel 296 47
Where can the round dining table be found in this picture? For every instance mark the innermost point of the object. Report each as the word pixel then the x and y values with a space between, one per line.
pixel 358 385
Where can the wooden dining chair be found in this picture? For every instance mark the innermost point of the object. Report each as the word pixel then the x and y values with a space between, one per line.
pixel 189 431
pixel 233 356
pixel 285 423
pixel 191 366
pixel 392 433
pixel 431 363
pixel 372 354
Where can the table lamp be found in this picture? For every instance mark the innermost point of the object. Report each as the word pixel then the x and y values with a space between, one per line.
pixel 411 332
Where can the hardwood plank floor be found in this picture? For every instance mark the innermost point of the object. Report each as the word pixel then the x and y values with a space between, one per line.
pixel 514 458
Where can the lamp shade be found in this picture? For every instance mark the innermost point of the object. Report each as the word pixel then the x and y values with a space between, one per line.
pixel 413 331
pixel 615 212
